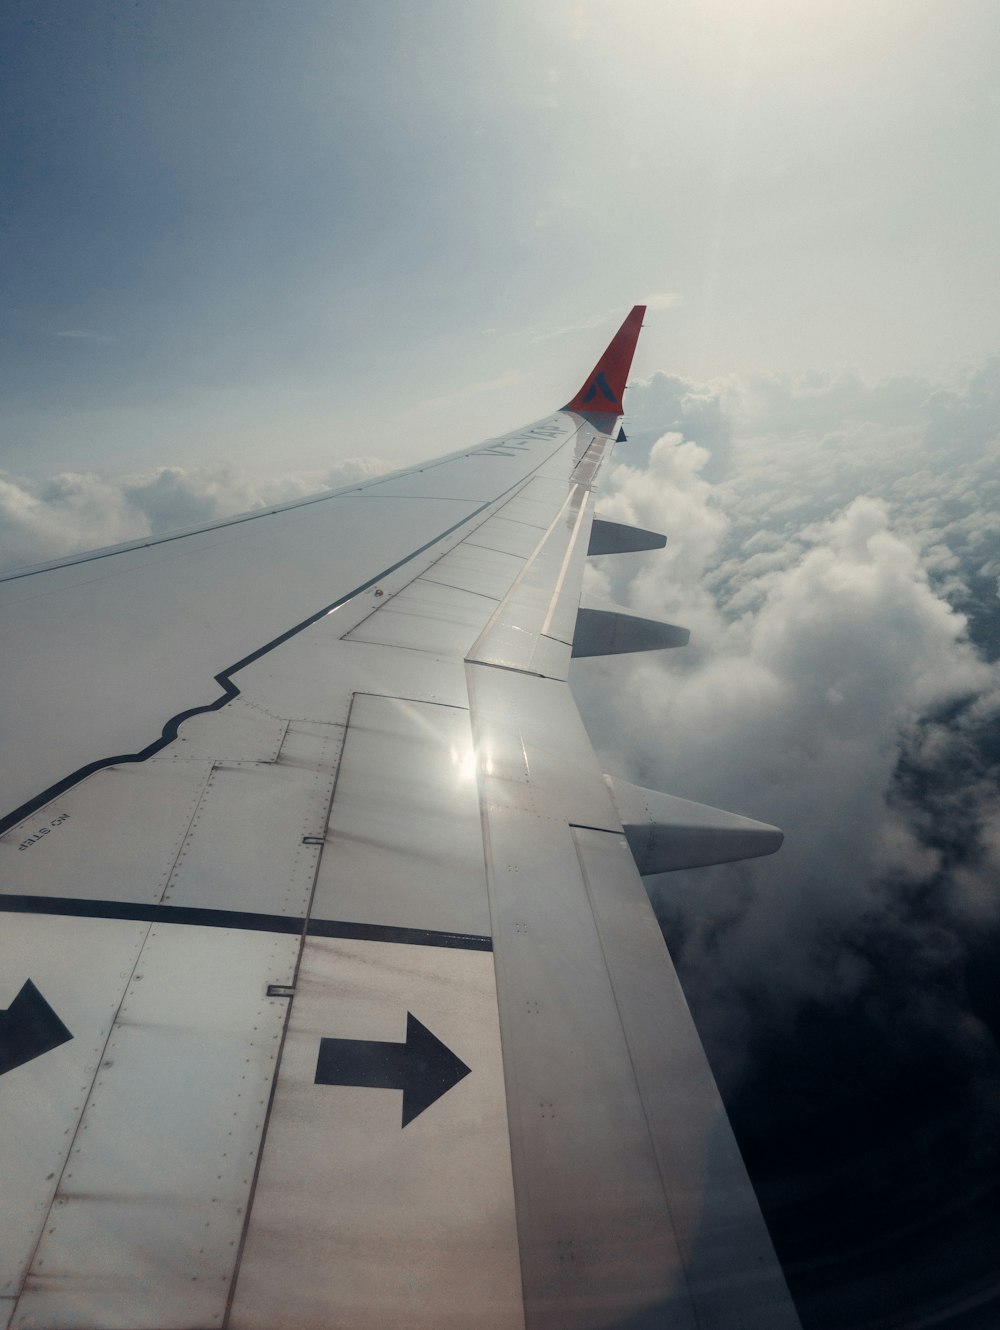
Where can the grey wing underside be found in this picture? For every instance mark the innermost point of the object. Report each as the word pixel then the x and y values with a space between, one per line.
pixel 334 997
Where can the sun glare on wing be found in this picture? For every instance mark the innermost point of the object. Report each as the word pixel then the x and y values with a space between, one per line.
pixel 463 760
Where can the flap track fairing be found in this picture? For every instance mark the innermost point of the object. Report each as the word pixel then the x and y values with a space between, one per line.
pixel 610 632
pixel 666 833
pixel 617 538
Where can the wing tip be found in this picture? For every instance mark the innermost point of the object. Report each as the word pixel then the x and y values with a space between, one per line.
pixel 604 387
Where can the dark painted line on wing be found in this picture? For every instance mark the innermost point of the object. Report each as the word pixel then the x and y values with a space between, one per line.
pixel 135 912
pixel 223 678
pixel 416 937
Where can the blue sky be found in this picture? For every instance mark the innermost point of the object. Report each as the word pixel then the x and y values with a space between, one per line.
pixel 304 231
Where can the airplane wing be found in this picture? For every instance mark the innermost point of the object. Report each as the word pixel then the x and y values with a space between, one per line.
pixel 331 993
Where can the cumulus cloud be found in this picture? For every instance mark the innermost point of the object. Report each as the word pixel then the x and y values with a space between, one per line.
pixel 816 580
pixel 796 711
pixel 701 412
pixel 70 512
pixel 82 510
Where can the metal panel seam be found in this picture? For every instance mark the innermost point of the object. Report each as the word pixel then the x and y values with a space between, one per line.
pixel 187 831
pixel 628 1049
pixel 251 1196
pixel 570 548
pixel 511 669
pixel 506 496
pixel 491 624
pixel 450 586
pixel 398 697
pixel 508 1063
pixel 83 1109
pixel 492 548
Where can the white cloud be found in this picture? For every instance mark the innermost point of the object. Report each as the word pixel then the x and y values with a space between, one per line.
pixel 83 335
pixel 80 511
pixel 591 321
pixel 826 659
pixel 71 512
pixel 661 300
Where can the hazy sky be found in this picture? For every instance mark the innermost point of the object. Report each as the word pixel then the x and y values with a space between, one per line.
pixel 290 233
pixel 252 250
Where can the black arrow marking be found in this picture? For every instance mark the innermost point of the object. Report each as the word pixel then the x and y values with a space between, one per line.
pixel 28 1028
pixel 423 1068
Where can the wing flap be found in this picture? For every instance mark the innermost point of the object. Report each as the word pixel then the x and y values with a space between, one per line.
pixel 595 1236
pixel 43 1099
pixel 731 1273
pixel 358 1221
pixel 404 838
pixel 158 1178
pixel 632 1199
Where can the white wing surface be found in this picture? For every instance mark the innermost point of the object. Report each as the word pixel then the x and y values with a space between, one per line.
pixel 331 993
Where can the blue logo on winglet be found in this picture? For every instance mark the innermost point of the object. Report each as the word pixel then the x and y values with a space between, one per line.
pixel 600 382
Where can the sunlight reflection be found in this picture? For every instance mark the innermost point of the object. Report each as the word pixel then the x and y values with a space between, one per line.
pixel 463 759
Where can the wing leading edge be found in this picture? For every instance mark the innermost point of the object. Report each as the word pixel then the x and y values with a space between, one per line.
pixel 314 871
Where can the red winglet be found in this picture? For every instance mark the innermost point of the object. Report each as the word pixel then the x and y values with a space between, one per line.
pixel 602 392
